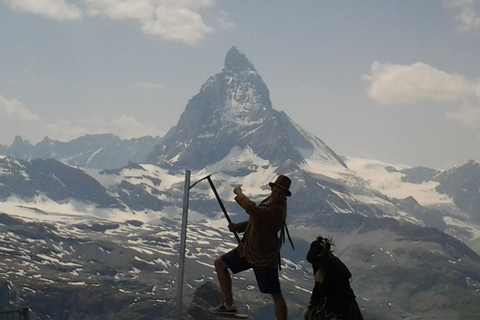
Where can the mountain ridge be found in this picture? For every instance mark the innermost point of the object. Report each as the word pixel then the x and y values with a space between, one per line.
pixel 100 151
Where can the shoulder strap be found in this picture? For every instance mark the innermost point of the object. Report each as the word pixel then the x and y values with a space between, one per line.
pixel 282 235
pixel 282 238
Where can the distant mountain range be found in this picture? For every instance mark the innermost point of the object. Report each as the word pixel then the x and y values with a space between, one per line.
pixel 101 151
pixel 96 220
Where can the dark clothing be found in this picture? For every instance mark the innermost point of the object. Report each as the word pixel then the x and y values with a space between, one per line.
pixel 332 294
pixel 335 286
pixel 352 312
pixel 267 278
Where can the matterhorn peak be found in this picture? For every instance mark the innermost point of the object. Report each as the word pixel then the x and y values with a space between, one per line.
pixel 236 61
pixel 233 110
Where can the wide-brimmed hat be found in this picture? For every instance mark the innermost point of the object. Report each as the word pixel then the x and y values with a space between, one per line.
pixel 283 182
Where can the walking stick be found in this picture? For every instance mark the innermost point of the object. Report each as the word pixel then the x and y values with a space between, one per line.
pixel 222 206
pixel 218 199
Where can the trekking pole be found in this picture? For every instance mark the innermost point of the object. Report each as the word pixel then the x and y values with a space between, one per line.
pixel 218 199
pixel 222 206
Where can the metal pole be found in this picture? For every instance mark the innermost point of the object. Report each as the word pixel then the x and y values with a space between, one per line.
pixel 183 241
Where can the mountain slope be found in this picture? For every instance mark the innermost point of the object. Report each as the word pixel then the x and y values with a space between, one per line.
pixel 400 270
pixel 446 200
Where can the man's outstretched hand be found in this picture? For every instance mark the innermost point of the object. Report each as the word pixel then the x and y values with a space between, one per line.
pixel 237 190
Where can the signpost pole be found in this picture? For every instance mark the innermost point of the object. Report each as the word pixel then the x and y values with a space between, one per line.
pixel 183 241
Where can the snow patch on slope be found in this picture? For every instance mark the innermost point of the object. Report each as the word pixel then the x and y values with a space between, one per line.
pixel 391 184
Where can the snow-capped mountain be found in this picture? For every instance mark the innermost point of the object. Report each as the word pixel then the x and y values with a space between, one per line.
pixel 101 151
pixel 233 109
pixel 103 237
pixel 96 256
pixel 447 200
pixel 232 118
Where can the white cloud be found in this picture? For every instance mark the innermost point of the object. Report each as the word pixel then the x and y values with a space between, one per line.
pixel 170 19
pixel 52 9
pixel 123 126
pixel 467 115
pixel 469 16
pixel 119 10
pixel 128 127
pixel 225 22
pixel 16 110
pixel 147 85
pixel 412 84
pixel 17 119
pixel 400 84
pixel 63 130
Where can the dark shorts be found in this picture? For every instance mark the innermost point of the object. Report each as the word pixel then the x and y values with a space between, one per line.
pixel 267 278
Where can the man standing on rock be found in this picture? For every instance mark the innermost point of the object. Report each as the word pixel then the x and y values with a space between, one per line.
pixel 259 249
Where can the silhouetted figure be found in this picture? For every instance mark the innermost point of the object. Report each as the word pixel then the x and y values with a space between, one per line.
pixel 332 297
pixel 259 248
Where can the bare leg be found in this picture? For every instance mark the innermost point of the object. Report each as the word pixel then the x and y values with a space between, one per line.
pixel 280 306
pixel 306 314
pixel 225 280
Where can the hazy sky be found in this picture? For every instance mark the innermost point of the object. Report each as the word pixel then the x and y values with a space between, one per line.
pixel 396 81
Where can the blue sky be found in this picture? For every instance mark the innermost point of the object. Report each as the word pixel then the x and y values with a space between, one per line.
pixel 396 81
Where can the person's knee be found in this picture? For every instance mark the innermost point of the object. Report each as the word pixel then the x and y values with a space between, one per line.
pixel 219 264
pixel 277 296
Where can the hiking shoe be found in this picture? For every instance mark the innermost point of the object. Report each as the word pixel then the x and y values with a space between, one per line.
pixel 223 308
